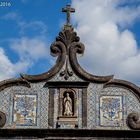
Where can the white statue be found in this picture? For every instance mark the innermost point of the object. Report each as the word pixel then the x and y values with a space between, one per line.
pixel 67 105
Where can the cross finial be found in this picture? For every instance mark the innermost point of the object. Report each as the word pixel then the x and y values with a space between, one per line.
pixel 68 10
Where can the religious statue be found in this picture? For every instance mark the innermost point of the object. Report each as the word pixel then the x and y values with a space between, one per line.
pixel 67 105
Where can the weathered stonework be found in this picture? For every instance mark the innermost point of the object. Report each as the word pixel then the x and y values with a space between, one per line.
pixel 67 101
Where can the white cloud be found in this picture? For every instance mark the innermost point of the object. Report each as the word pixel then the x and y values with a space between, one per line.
pixel 29 52
pixel 30 48
pixel 10 16
pixel 34 48
pixel 33 27
pixel 6 67
pixel 111 47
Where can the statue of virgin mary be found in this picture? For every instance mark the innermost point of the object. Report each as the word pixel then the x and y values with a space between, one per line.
pixel 67 105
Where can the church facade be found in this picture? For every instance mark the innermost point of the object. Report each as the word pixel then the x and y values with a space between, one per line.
pixel 67 102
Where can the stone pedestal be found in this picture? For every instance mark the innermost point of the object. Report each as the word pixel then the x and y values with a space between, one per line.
pixel 67 122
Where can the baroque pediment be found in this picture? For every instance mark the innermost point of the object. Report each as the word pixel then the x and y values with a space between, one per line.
pixel 65 48
pixel 67 100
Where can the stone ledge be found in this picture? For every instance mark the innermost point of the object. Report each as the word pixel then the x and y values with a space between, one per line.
pixel 73 133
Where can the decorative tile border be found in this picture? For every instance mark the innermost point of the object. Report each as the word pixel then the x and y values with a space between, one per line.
pixel 95 92
pixel 5 106
pixel 92 103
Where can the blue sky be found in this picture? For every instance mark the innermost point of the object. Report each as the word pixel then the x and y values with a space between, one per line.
pixel 46 11
pixel 33 14
pixel 109 29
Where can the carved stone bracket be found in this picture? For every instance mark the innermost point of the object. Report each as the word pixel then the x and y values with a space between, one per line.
pixel 2 119
pixel 133 121
pixel 66 72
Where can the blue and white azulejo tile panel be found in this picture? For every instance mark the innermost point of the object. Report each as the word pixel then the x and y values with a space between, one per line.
pixel 111 111
pixel 25 110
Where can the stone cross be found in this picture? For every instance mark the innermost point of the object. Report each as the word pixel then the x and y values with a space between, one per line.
pixel 68 10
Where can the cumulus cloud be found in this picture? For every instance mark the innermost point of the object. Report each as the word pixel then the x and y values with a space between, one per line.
pixel 31 47
pixel 32 27
pixel 6 67
pixel 29 51
pixel 10 16
pixel 111 48
pixel 34 48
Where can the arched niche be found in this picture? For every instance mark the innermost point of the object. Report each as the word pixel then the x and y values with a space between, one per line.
pixel 73 97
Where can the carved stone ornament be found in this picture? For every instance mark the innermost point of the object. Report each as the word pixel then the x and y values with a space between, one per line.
pixel 70 103
pixel 68 37
pixel 2 119
pixel 66 73
pixel 66 47
pixel 133 121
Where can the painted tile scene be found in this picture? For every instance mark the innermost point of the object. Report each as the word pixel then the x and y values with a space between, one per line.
pixel 111 111
pixel 24 111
